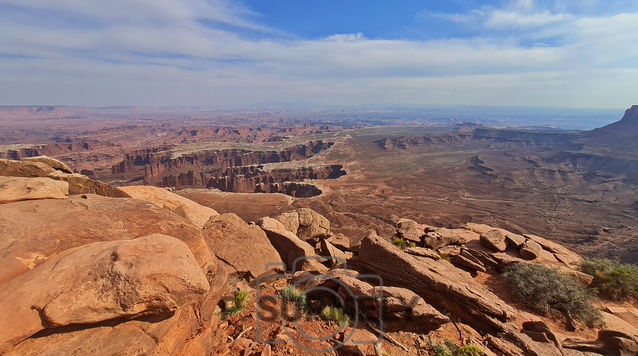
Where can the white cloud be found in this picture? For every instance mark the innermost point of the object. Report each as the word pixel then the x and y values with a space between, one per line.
pixel 153 52
pixel 500 18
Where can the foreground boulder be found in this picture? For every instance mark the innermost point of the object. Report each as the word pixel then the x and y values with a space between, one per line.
pixel 530 250
pixel 101 281
pixel 196 213
pixel 296 254
pixel 78 183
pixel 410 230
pixel 439 283
pixel 37 230
pixel 20 188
pixel 494 239
pixel 306 223
pixel 406 311
pixel 335 255
pixel 437 237
pixel 245 248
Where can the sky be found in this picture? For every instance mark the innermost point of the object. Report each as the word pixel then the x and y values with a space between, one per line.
pixel 221 53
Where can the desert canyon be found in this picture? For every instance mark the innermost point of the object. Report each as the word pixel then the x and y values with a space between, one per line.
pixel 148 231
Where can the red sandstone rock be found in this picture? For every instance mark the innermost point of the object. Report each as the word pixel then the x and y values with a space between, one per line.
pixel 244 247
pixel 78 184
pixel 100 281
pixel 530 250
pixel 494 239
pixel 306 223
pixel 410 230
pixel 196 213
pixel 440 284
pixel 51 162
pixel 20 188
pixel 298 255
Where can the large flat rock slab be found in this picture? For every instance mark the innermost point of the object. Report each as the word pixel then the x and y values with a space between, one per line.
pixel 20 188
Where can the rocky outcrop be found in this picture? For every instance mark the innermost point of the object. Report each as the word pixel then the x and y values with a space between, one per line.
pixel 441 284
pixel 494 239
pixel 78 183
pixel 38 231
pixel 437 237
pixel 621 133
pixel 20 188
pixel 154 274
pixel 306 223
pixel 51 162
pixel 228 237
pixel 11 168
pixel 195 213
pixel 530 250
pixel 410 230
pixel 334 255
pixel 35 230
pixel 560 252
pixel 400 309
pixel 297 254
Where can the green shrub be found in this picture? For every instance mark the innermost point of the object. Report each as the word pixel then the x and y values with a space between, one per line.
pixel 401 243
pixel 295 295
pixel 336 314
pixel 470 350
pixel 546 290
pixel 239 303
pixel 612 278
pixel 449 348
pixel 441 350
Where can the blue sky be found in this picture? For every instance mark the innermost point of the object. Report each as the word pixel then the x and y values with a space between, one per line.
pixel 571 53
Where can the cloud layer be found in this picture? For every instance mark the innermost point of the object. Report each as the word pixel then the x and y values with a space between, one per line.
pixel 576 53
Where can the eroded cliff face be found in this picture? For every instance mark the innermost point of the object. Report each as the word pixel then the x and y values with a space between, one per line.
pixel 256 179
pixel 55 149
pixel 230 170
pixel 594 165
pixel 520 138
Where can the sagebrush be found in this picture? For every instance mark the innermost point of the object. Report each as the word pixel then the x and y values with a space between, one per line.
pixel 449 348
pixel 546 290
pixel 612 278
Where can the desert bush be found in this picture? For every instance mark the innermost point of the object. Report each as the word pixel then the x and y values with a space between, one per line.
pixel 546 290
pixel 401 243
pixel 336 314
pixel 295 295
pixel 612 278
pixel 441 350
pixel 240 301
pixel 470 350
pixel 449 348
